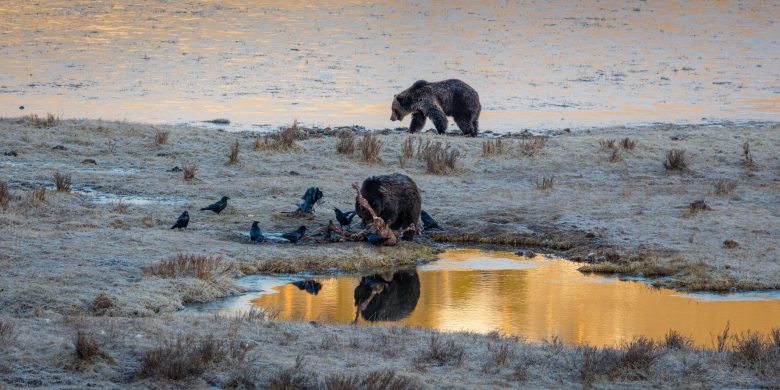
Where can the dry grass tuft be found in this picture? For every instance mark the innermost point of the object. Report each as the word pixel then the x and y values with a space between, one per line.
pixel 187 357
pixel 615 156
pixel 633 360
pixel 189 171
pixel 345 143
pixel 725 186
pixel 676 340
pixel 757 351
pixel 493 147
pixel 120 206
pixel 500 354
pixel 407 148
pixel 531 146
pixel 62 182
pixel 748 162
pixel 676 160
pixel 545 184
pixel 292 378
pixel 87 349
pixel 698 206
pixel 33 120
pixel 189 265
pixel 439 159
pixel 7 329
pixel 233 154
pixel 102 302
pixel 5 195
pixel 442 352
pixel 282 141
pixel 161 136
pixel 628 143
pixel 37 195
pixel 371 148
pixel 723 338
pixel 607 144
pixel 386 379
pixel 730 244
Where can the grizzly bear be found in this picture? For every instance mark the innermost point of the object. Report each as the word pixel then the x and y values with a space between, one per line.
pixel 395 198
pixel 437 101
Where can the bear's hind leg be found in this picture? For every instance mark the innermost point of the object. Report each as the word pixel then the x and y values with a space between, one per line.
pixel 418 121
pixel 466 125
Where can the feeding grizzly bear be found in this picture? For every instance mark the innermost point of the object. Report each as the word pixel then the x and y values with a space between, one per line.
pixel 437 101
pixel 394 198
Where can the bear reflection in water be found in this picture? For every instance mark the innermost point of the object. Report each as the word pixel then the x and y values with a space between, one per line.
pixel 310 286
pixel 389 296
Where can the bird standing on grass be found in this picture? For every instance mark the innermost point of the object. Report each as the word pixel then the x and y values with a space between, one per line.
pixel 310 198
pixel 376 239
pixel 255 234
pixel 182 222
pixel 344 218
pixel 217 207
pixel 428 221
pixel 296 235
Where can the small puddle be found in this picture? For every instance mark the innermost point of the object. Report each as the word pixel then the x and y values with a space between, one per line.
pixel 96 196
pixel 538 299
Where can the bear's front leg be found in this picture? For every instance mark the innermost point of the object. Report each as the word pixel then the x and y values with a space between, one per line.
pixel 418 121
pixel 436 115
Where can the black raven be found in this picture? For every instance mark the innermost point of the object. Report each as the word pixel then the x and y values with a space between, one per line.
pixel 310 198
pixel 428 221
pixel 344 218
pixel 376 239
pixel 182 222
pixel 255 234
pixel 217 207
pixel 296 235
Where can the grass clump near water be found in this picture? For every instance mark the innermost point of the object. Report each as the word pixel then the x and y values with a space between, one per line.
pixel 189 265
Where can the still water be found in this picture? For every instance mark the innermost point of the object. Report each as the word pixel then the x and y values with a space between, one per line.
pixel 535 298
pixel 537 65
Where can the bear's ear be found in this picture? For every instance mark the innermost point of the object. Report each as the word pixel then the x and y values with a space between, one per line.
pixel 419 83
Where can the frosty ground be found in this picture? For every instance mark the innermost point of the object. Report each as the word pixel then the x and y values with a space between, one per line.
pixel 74 263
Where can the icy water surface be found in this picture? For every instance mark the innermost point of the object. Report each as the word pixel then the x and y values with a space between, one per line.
pixel 261 64
pixel 538 299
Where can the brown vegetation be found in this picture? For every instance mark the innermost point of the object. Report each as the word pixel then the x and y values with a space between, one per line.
pixel 87 349
pixel 233 154
pixel 282 141
pixel 37 195
pixel 6 331
pixel 628 143
pixel 730 244
pixel 439 159
pixel 62 182
pixel 371 148
pixel 188 356
pixel 345 143
pixel 441 352
pixel 531 146
pixel 161 136
pixel 748 161
pixel 375 380
pixel 724 186
pixel 189 171
pixel 492 147
pixel 189 265
pixel 545 184
pixel 5 195
pixel 676 160
pixel 676 340
pixel 607 144
pixel 698 206
pixel 33 120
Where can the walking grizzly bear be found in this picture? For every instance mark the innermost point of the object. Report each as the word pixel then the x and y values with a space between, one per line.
pixel 437 101
pixel 395 198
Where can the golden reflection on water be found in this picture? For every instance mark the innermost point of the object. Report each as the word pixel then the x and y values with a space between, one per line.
pixel 548 298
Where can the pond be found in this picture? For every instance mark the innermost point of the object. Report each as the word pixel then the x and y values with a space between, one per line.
pixel 539 298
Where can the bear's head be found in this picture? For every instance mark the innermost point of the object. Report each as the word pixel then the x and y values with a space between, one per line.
pixel 401 107
pixel 403 102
